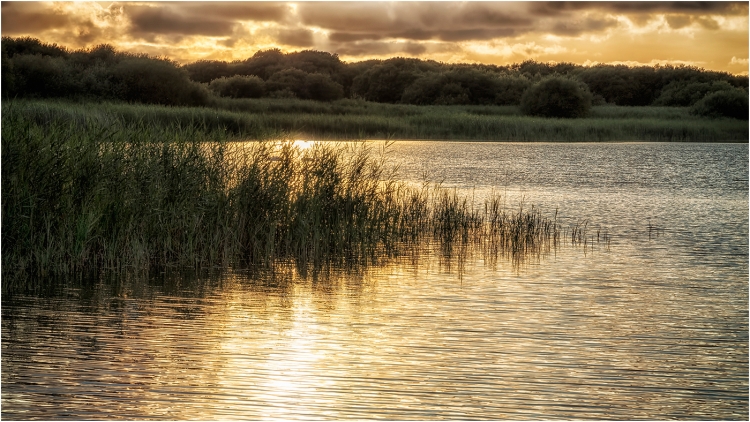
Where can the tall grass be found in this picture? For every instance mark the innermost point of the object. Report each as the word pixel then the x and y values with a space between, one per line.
pixel 351 119
pixel 92 192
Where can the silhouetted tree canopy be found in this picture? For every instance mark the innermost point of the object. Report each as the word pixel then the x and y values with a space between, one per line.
pixel 239 87
pixel 31 68
pixel 557 96
pixel 687 93
pixel 727 103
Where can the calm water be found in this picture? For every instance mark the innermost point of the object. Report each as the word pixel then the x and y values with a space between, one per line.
pixel 653 327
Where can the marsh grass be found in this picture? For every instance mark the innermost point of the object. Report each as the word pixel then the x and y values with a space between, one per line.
pixel 90 191
pixel 258 119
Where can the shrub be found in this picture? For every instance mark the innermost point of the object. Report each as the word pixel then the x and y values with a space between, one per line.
pixel 292 80
pixel 239 87
pixel 386 82
pixel 732 104
pixel 156 82
pixel 8 77
pixel 31 46
pixel 423 91
pixel 685 93
pixel 306 86
pixel 509 90
pixel 322 88
pixel 39 76
pixel 557 97
pixel 453 94
pixel 208 70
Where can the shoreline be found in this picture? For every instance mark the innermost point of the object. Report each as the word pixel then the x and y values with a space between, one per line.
pixel 354 120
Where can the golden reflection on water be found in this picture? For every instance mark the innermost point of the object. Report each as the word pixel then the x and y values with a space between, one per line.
pixel 396 342
pixel 653 328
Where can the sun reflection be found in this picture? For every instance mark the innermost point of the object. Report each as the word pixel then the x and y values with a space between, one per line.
pixel 289 366
pixel 302 144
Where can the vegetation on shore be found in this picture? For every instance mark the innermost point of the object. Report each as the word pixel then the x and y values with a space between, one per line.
pixel 256 119
pixel 89 193
pixel 33 69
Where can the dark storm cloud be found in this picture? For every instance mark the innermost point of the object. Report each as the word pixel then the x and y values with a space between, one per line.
pixel 692 7
pixel 30 17
pixel 419 21
pixel 250 11
pixel 352 22
pixel 355 17
pixel 147 20
pixel 350 37
pixel 487 15
pixel 575 28
pixel 414 49
pixel 366 48
pixel 295 37
pixel 200 18
pixel 679 21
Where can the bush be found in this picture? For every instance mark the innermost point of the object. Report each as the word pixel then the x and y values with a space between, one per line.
pixel 306 86
pixel 239 87
pixel 39 76
pixel 208 70
pixel 154 81
pixel 557 97
pixel 321 88
pixel 31 46
pixel 686 93
pixel 509 90
pixel 292 80
pixel 732 104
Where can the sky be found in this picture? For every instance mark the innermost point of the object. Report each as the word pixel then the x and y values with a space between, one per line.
pixel 711 35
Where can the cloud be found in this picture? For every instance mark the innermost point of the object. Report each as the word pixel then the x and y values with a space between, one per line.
pixel 679 21
pixel 449 31
pixel 30 17
pixel 244 11
pixel 633 7
pixel 148 20
pixel 416 21
pixel 379 48
pixel 738 61
pixel 578 27
pixel 199 18
pixel 299 37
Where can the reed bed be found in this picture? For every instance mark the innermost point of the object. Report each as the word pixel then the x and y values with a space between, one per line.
pixel 95 192
pixel 352 119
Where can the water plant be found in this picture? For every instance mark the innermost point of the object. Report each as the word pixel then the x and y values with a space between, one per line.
pixel 96 192
pixel 257 119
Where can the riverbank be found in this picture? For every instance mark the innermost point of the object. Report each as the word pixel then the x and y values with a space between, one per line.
pixel 85 190
pixel 257 119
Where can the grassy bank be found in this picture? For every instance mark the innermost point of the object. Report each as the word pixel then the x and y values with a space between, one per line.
pixel 351 119
pixel 91 188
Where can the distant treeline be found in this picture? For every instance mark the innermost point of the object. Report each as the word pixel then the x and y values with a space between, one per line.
pixel 31 68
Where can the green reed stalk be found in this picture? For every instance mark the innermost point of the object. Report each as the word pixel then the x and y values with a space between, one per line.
pixel 96 192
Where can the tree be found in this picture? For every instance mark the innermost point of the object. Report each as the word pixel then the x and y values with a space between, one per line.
pixel 732 103
pixel 321 87
pixel 557 96
pixel 685 93
pixel 207 70
pixel 156 81
pixel 291 80
pixel 239 87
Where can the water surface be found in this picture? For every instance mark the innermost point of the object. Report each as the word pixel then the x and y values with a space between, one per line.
pixel 655 326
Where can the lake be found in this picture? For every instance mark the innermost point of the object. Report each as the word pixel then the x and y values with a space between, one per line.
pixel 652 324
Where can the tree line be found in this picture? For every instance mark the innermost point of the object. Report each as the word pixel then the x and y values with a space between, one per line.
pixel 31 68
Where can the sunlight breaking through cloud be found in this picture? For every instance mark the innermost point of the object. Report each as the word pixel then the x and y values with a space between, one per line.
pixel 490 32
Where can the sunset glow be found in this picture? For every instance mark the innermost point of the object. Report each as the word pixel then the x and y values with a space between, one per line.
pixel 711 35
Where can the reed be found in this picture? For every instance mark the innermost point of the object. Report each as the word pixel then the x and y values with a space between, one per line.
pixel 352 119
pixel 86 191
